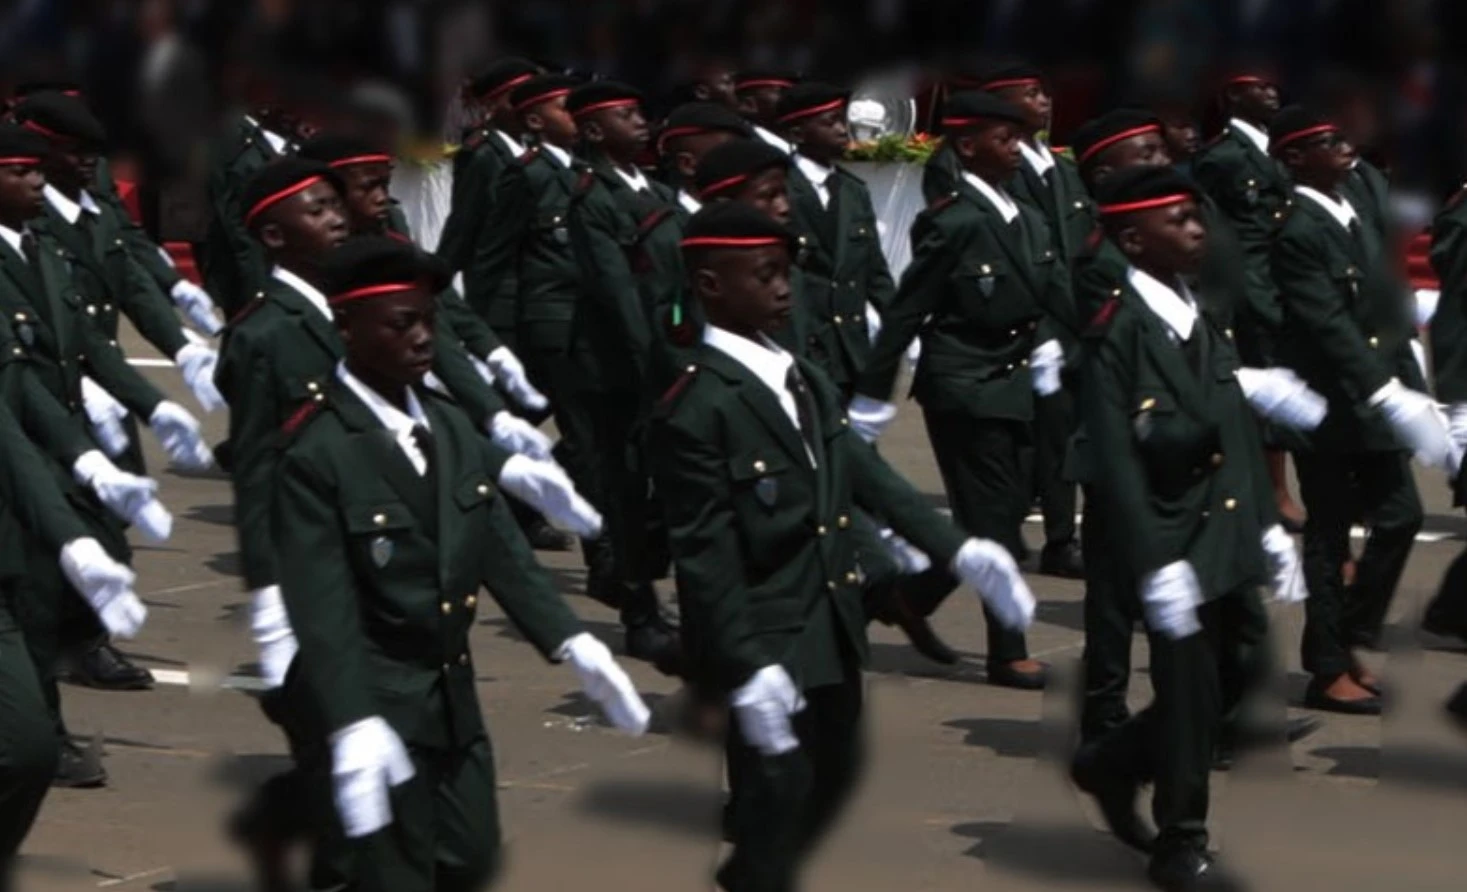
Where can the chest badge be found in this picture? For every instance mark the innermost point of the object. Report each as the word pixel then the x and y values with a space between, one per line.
pixel 1251 194
pixel 381 549
pixel 986 280
pixel 767 491
pixel 27 334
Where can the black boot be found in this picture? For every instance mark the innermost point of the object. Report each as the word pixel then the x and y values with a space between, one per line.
pixel 78 767
pixel 102 666
pixel 1116 796
pixel 1189 870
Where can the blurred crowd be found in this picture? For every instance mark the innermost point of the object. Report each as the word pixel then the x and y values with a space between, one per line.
pixel 161 71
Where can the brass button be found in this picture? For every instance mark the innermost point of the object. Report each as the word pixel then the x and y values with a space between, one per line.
pixel 1024 362
pixel 470 600
pixel 838 320
pixel 821 530
pixel 19 317
pixel 312 386
pixel 845 422
pixel 1231 504
pixel 463 659
pixel 851 284
pixel 760 467
pixel 1217 459
pixel 843 521
pixel 859 317
pixel 1033 325
pixel 1013 332
pixel 1206 514
pixel 320 397
pixel 1079 205
pixel 259 294
pixel 91 309
pixel 446 607
pixel 16 350
pixel 482 489
pixel 1228 332
pixel 118 243
pixel 446 667
pixel 691 369
pixel 107 307
pixel 1374 341
pixel 1148 403
pixel 852 578
pixel 379 519
pixel 985 269
pixel 830 584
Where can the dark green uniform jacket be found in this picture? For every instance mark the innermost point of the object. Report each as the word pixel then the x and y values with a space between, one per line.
pixel 1370 192
pixel 1346 323
pixel 981 293
pixel 144 250
pixel 1252 191
pixel 476 167
pixel 843 270
pixel 764 544
pixel 1070 213
pixel 1449 325
pixel 1183 470
pixel 381 569
pixel 232 262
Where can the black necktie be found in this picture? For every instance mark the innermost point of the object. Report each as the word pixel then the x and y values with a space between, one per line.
pixel 424 440
pixel 794 382
pixel 29 250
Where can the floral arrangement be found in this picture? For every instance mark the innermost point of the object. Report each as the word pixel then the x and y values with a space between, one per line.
pixel 425 153
pixel 895 147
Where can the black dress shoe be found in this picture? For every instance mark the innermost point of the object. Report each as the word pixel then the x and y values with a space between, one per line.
pixel 896 611
pixel 1116 796
pixel 1006 676
pixel 656 641
pixel 1063 560
pixel 544 537
pixel 102 666
pixel 1316 698
pixel 78 768
pixel 1191 871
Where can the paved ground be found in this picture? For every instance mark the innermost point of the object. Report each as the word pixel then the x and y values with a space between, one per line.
pixel 965 791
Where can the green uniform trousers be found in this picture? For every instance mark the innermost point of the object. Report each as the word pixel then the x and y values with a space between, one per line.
pixel 1198 680
pixel 1337 488
pixel 28 742
pixel 1112 609
pixel 985 465
pixel 782 806
pixel 1054 423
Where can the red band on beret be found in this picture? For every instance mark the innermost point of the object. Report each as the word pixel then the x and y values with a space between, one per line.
pixel 1009 82
pixel 808 112
pixel 747 241
pixel 543 97
pixel 44 130
pixel 675 132
pixel 1240 79
pixel 610 103
pixel 763 82
pixel 721 185
pixel 20 159
pixel 1300 134
pixel 506 86
pixel 362 159
pixel 1117 137
pixel 968 122
pixel 367 291
pixel 1146 204
pixel 283 194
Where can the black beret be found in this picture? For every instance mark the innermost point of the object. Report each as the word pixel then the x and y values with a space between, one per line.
pixel 970 108
pixel 753 79
pixel 735 162
pixel 729 224
pixel 21 146
pixel 339 150
pixel 281 179
pixel 30 88
pixel 1140 188
pixel 703 117
pixel 601 94
pixel 372 265
pixel 61 117
pixel 541 88
pixel 807 99
pixel 1294 122
pixel 998 75
pixel 505 74
pixel 1110 128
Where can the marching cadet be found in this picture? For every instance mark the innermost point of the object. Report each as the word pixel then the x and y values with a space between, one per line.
pixel 761 475
pixel 1348 331
pixel 1050 184
pixel 388 521
pixel 758 94
pixel 690 132
pixel 621 224
pixel 983 274
pixel 1184 476
pixel 1237 171
pixel 845 276
pixel 712 81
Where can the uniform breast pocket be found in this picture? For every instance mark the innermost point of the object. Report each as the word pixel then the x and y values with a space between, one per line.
pixel 298 389
pixel 976 283
pixel 473 491
pixel 761 481
pixel 1347 281
pixel 1176 446
pixel 378 534
pixel 552 226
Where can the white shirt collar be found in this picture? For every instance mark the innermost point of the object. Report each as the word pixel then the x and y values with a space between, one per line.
pixel 514 145
pixel 1038 156
pixel 689 203
pixel 635 179
pixel 1254 135
pixel 69 210
pixel 1341 210
pixel 557 153
pixel 278 143
pixel 814 171
pixel 306 289
pixel 996 197
pixel 12 238
pixel 1175 306
pixel 398 422
pixel 776 141
pixel 769 363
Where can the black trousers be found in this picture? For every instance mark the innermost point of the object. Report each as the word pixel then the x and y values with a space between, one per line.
pixel 985 465
pixel 782 806
pixel 1334 486
pixel 28 742
pixel 1198 680
pixel 1054 422
pixel 1112 609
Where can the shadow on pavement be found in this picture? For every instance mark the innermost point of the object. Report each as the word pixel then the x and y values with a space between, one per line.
pixel 679 807
pixel 1015 738
pixel 1052 852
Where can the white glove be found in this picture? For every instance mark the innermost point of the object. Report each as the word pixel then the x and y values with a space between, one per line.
pixel 914 353
pixel 1284 564
pixel 1282 397
pixel 1426 303
pixel 763 707
pixel 1457 431
pixel 1045 362
pixel 1171 597
pixel 104 417
pixel 869 417
pixel 518 435
pixel 270 628
pixel 198 306
pixel 105 584
pixel 367 757
pixel 508 369
pixel 130 497
pixel 1417 420
pixel 197 363
pixel 181 437
pixel 605 682
pixel 873 323
pixel 907 556
pixel 483 369
pixel 544 486
pixel 989 568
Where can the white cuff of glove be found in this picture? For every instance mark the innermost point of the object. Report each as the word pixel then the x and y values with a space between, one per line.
pixel 1280 395
pixel 1170 597
pixel 272 634
pixel 105 584
pixel 1045 363
pixel 989 569
pixel 367 759
pixel 544 486
pixel 605 682
pixel 870 417
pixel 518 435
pixel 763 706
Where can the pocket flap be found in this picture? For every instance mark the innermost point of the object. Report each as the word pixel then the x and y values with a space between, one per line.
pixel 753 465
pixel 473 490
pixel 377 517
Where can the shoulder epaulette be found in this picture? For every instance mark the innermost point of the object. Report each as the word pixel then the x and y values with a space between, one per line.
pixel 398 236
pixel 529 155
pixel 941 204
pixel 586 181
pixel 1217 138
pixel 304 413
pixel 474 138
pixel 652 221
pixel 248 309
pixel 1103 316
pixel 1094 240
pixel 670 397
pixel 1456 198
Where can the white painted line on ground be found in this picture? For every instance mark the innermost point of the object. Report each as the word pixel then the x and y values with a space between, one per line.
pixel 180 678
pixel 143 362
pixel 1355 532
